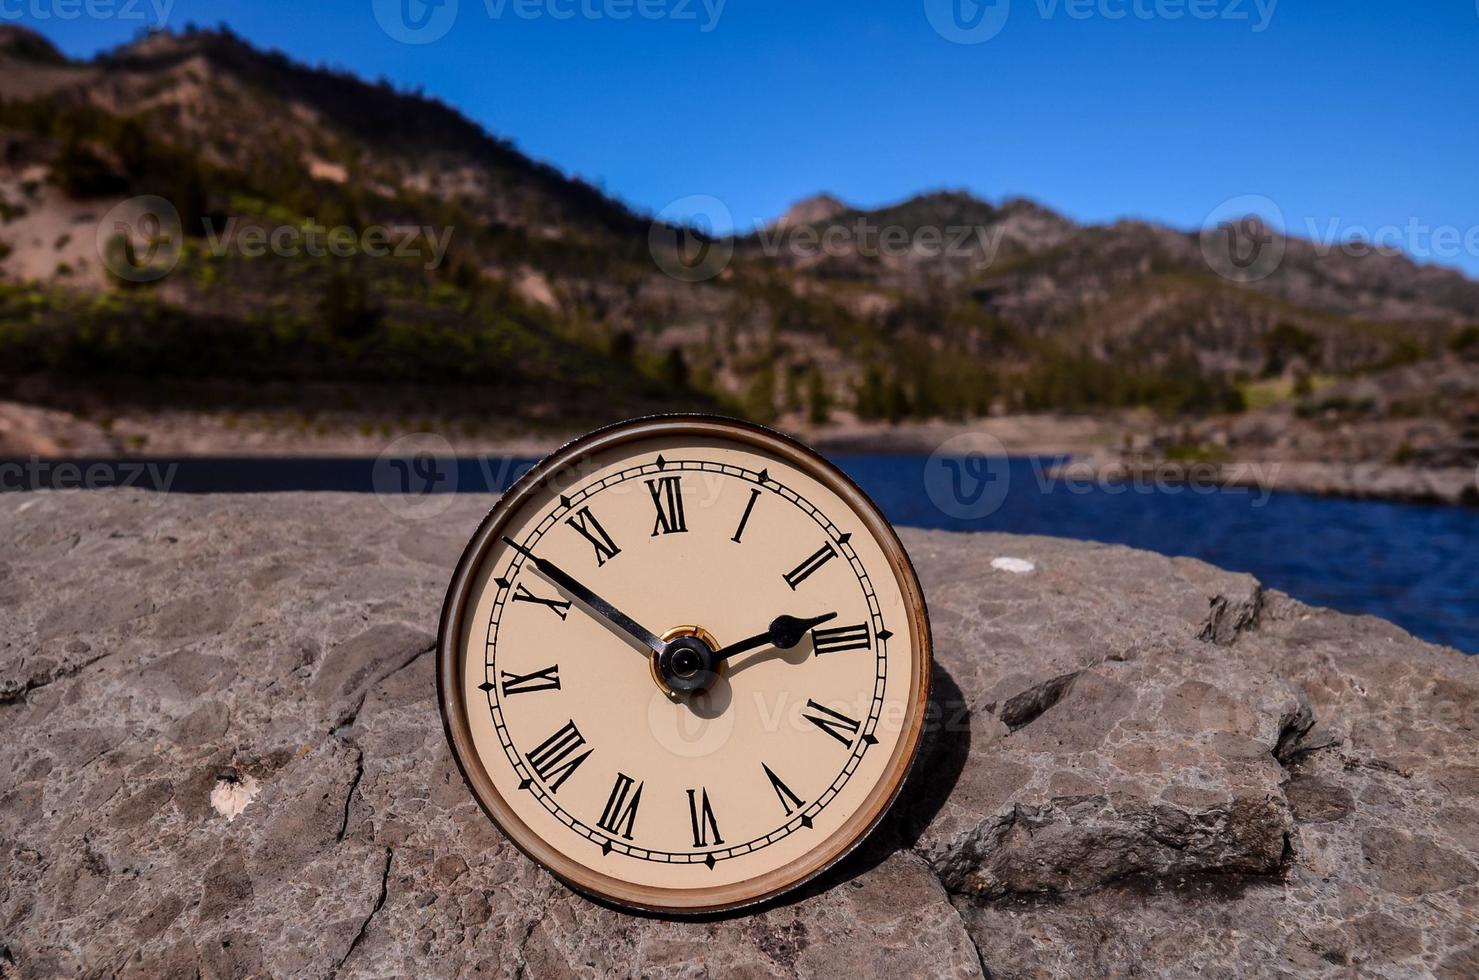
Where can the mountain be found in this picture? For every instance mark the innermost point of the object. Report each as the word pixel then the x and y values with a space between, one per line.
pixel 811 210
pixel 531 296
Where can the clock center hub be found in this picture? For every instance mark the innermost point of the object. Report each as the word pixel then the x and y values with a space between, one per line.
pixel 687 664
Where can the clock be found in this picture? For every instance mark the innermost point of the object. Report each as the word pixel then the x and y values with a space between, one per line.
pixel 684 664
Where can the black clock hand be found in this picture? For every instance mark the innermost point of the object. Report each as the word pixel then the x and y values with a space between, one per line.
pixel 784 633
pixel 600 606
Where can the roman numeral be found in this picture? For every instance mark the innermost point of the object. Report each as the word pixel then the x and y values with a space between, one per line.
pixel 788 799
pixel 705 830
pixel 547 679
pixel 555 759
pixel 745 517
pixel 840 638
pixel 667 497
pixel 803 571
pixel 621 806
pixel 585 522
pixel 834 723
pixel 560 607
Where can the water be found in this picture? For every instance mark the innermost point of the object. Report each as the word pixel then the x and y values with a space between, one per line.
pixel 1416 565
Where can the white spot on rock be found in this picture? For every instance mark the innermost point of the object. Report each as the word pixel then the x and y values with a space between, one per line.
pixel 231 796
pixel 1017 566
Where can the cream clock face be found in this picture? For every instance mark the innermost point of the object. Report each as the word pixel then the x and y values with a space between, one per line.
pixel 684 664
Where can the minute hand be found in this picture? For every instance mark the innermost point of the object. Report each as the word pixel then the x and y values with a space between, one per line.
pixel 600 606
pixel 784 633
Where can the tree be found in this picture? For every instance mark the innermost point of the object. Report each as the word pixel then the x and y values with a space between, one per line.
pixel 869 404
pixel 818 401
pixel 675 368
pixel 760 396
pixel 346 308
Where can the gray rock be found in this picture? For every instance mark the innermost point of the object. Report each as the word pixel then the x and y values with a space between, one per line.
pixel 224 758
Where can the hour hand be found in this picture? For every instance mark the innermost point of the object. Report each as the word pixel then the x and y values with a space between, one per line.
pixel 784 633
pixel 595 603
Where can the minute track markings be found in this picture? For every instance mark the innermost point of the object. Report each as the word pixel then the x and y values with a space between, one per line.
pixel 573 501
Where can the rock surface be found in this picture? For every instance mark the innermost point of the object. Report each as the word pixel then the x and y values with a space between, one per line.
pixel 223 758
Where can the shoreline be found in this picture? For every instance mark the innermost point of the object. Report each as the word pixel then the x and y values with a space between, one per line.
pixel 1093 445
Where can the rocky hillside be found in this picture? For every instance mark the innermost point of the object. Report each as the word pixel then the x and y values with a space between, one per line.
pixel 528 295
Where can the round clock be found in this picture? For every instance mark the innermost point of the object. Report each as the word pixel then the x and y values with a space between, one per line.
pixel 684 664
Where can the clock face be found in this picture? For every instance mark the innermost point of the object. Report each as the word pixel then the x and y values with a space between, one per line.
pixel 684 664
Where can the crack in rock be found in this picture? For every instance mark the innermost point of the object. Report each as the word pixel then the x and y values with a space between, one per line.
pixel 359 773
pixel 14 692
pixel 365 925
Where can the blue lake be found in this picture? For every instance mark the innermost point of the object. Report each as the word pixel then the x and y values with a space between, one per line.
pixel 1414 564
pixel 1417 565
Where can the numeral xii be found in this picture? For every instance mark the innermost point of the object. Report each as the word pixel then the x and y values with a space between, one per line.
pixel 667 497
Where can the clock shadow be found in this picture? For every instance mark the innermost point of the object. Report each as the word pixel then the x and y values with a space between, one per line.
pixel 796 655
pixel 943 751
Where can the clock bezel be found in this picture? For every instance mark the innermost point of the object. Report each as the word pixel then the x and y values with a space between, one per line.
pixel 451 643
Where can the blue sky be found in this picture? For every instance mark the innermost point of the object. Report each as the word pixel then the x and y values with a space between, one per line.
pixel 1348 116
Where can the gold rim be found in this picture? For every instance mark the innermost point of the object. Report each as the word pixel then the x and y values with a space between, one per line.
pixel 682 901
